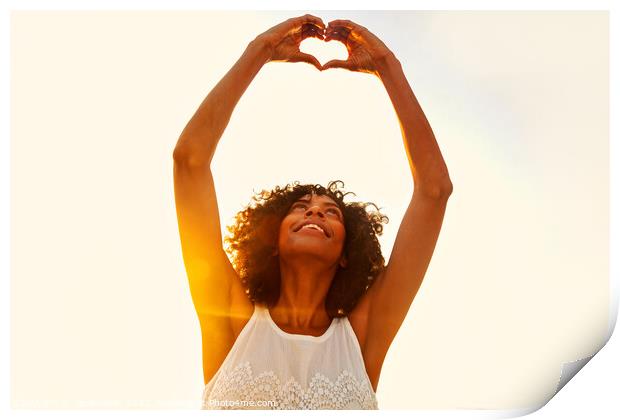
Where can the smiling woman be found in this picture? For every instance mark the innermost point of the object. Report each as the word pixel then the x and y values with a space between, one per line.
pixel 304 312
pixel 267 238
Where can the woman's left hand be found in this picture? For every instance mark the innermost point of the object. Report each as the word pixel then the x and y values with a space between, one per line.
pixel 365 49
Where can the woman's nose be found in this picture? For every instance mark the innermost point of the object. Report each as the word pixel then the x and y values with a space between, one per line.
pixel 313 210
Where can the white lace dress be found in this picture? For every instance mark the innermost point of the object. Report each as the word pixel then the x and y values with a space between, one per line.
pixel 268 368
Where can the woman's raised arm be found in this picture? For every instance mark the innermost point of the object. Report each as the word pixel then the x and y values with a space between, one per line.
pixel 215 287
pixel 208 268
pixel 381 311
pixel 209 271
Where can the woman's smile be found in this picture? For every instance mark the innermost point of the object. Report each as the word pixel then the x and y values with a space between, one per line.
pixel 313 229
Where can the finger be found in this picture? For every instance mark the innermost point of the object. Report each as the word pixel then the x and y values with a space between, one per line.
pixel 342 64
pixel 337 36
pixel 346 24
pixel 347 28
pixel 339 29
pixel 311 19
pixel 312 31
pixel 306 58
pixel 310 25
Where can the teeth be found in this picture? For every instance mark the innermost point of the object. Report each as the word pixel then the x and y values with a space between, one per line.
pixel 313 226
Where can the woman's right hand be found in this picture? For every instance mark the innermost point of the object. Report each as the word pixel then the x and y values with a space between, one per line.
pixel 283 39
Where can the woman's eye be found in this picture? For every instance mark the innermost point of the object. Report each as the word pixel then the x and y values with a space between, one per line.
pixel 303 206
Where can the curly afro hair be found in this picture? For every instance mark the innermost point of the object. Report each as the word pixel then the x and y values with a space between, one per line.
pixel 254 235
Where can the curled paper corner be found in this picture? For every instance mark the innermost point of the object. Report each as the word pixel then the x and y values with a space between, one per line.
pixel 570 369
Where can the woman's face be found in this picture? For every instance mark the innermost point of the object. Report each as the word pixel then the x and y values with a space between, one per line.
pixel 314 225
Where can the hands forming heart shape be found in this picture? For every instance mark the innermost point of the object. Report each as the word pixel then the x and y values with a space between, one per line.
pixel 365 49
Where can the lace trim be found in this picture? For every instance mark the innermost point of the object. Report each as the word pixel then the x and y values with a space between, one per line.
pixel 240 384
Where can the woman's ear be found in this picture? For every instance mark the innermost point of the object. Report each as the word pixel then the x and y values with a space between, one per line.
pixel 275 252
pixel 343 262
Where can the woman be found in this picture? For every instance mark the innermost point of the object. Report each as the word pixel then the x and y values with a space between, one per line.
pixel 305 314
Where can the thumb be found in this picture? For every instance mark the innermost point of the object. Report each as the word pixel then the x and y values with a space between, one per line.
pixel 306 58
pixel 334 64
